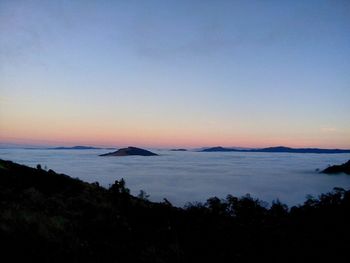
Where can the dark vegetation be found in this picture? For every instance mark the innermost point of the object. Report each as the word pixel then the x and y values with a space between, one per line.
pixel 335 169
pixel 130 151
pixel 50 217
pixel 278 149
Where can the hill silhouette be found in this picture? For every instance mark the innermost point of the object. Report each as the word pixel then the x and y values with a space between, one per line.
pixel 334 169
pixel 130 151
pixel 50 217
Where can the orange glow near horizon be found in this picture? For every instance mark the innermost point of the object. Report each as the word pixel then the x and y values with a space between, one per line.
pixel 28 124
pixel 159 140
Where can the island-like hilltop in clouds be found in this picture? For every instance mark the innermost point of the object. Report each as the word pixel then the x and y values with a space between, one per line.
pixel 130 151
pixel 278 149
pixel 335 169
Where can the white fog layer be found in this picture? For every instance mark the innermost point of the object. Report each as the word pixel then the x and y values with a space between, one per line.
pixel 184 177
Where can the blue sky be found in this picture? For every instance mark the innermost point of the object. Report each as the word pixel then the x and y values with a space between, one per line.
pixel 175 73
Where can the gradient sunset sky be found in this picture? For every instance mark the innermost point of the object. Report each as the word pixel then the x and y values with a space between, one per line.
pixel 175 73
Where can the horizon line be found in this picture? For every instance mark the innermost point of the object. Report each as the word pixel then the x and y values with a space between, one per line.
pixel 40 145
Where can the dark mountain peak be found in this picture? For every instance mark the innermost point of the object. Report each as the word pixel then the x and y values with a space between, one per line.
pixel 130 151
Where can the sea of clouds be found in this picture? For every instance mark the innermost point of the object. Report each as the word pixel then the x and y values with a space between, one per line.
pixel 184 177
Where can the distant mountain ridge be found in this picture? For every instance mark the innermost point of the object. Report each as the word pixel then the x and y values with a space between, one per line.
pixel 78 147
pixel 278 149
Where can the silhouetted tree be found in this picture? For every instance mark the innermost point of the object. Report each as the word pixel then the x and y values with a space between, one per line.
pixel 216 206
pixel 119 187
pixel 167 202
pixel 143 195
pixel 278 209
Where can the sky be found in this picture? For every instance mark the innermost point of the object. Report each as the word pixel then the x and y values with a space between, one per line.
pixel 175 73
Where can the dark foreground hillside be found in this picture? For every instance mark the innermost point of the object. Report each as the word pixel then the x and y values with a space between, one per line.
pixel 49 217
